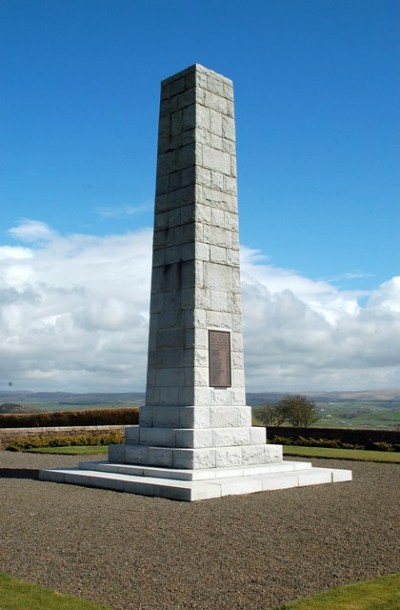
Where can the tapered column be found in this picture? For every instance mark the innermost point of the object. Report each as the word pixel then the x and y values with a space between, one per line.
pixel 195 277
pixel 195 413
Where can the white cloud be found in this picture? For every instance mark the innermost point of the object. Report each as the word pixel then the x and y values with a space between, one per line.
pixel 10 252
pixel 74 316
pixel 114 212
pixel 32 231
pixel 301 334
pixel 74 313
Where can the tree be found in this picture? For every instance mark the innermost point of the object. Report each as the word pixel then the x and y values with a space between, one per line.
pixel 298 411
pixel 270 415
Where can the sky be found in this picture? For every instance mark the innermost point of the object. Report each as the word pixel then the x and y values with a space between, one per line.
pixel 317 93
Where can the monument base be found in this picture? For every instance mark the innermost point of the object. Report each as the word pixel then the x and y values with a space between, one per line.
pixel 197 484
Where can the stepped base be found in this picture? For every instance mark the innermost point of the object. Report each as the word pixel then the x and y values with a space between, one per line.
pixel 190 485
pixel 193 458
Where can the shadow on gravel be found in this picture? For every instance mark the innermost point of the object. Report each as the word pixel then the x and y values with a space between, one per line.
pixel 19 473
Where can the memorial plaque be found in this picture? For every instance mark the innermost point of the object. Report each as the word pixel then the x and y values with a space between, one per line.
pixel 219 346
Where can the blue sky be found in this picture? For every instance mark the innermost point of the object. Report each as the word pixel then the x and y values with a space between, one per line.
pixel 317 97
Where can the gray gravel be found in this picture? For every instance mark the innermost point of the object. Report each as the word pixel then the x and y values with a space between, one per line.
pixel 243 552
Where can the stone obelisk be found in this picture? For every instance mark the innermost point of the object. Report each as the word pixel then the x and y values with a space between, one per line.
pixel 195 415
pixel 195 438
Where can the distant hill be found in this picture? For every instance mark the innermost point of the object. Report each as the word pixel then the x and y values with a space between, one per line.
pixel 256 398
pixel 70 398
pixel 124 398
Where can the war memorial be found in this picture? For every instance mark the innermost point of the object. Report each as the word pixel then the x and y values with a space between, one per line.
pixel 195 439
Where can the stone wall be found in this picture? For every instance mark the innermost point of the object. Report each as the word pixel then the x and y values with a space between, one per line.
pixel 10 435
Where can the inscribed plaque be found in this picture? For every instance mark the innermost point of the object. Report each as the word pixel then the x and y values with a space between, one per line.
pixel 219 346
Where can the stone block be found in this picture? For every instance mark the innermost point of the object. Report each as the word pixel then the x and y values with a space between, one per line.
pixel 204 458
pixel 279 481
pixel 171 377
pixel 218 236
pixel 135 454
pixel 203 214
pixel 146 416
pixel 132 434
pixel 194 438
pixel 341 475
pixel 216 122
pixel 186 398
pixel 117 453
pixel 218 255
pixel 166 416
pixel 201 376
pixel 173 491
pixel 142 488
pixel 226 437
pixel 202 251
pixel 314 476
pixel 194 417
pixel 218 276
pixel 171 301
pixel 217 182
pixel 230 185
pixel 169 396
pixel 258 436
pixel 228 456
pixel 273 453
pixel 234 487
pixel 182 458
pixel 203 396
pixel 172 255
pixel 237 377
pixel 223 417
pixel 152 395
pixel 159 456
pixel 216 143
pixel 233 257
pixel 163 437
pixel 211 159
pixel 253 454
pixel 219 301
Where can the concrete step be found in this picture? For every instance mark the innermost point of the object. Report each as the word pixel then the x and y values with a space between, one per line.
pixel 195 475
pixel 190 490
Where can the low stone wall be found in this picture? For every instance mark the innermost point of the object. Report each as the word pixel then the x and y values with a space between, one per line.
pixel 355 437
pixel 10 435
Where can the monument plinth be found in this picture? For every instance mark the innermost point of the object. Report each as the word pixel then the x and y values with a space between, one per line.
pixel 195 439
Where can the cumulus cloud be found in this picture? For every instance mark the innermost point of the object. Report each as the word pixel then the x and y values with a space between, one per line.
pixel 302 334
pixel 74 310
pixel 74 317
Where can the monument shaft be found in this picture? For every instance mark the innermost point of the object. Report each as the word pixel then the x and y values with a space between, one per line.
pixel 195 278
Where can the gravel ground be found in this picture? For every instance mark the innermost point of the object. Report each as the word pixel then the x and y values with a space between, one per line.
pixel 236 553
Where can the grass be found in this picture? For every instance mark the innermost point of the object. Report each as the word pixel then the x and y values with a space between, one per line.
pixel 73 450
pixel 309 452
pixel 18 595
pixel 379 594
pixel 343 454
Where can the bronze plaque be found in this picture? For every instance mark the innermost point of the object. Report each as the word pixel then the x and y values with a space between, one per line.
pixel 219 348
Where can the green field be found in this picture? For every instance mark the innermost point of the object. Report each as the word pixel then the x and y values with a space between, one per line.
pixel 384 415
pixel 374 410
pixel 343 454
